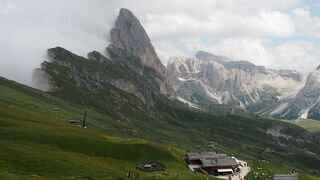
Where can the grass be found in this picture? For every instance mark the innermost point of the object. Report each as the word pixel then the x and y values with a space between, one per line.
pixel 263 169
pixel 37 141
pixel 312 126
pixel 53 148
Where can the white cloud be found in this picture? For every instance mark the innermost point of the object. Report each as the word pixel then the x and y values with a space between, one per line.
pixel 240 29
pixel 262 24
pixel 242 48
pixel 8 8
pixel 299 55
pixel 305 23
pixel 34 26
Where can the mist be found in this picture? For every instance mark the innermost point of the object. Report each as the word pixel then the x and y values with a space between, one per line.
pixel 29 28
pixel 262 32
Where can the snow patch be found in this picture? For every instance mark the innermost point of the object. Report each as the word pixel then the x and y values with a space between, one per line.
pixel 182 79
pixel 305 113
pixel 188 102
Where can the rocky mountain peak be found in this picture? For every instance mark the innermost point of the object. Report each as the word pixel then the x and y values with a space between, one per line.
pixel 314 78
pixel 217 79
pixel 203 55
pixel 130 36
pixel 196 80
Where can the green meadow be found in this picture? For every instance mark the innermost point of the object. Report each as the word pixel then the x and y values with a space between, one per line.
pixel 38 142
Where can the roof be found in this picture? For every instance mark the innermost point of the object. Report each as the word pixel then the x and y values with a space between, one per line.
pixel 210 159
pixel 204 155
pixel 285 177
pixel 218 162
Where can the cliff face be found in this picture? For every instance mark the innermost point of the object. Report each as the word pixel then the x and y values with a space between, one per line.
pixel 133 66
pixel 219 80
pixel 192 78
pixel 306 104
pixel 129 36
pixel 131 47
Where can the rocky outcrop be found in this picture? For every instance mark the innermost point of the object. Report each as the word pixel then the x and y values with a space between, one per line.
pixel 236 83
pixel 229 64
pixel 132 65
pixel 194 79
pixel 288 133
pixel 129 36
pixel 97 72
pixel 291 74
pixel 131 47
pixel 203 55
pixel 245 66
pixel 249 67
pixel 307 101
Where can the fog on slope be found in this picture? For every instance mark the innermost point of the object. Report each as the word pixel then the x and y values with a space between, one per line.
pixel 29 28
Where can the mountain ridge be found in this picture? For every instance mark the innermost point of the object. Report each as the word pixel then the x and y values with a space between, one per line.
pixel 126 68
pixel 205 80
pixel 254 88
pixel 299 101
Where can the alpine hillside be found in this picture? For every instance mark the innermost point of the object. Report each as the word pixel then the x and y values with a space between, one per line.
pixel 131 94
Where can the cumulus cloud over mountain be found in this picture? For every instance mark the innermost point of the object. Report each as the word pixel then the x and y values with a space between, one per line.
pixel 272 33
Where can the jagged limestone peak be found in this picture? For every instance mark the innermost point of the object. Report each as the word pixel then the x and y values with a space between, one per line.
pixel 130 36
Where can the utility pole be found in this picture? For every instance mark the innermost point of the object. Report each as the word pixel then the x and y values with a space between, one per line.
pixel 84 119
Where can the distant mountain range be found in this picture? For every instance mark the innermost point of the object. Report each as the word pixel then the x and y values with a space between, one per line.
pixel 208 78
pixel 202 82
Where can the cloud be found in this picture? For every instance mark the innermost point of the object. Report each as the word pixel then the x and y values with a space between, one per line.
pixel 305 23
pixel 298 55
pixel 8 8
pixel 242 48
pixel 28 28
pixel 264 32
pixel 221 24
pixel 243 29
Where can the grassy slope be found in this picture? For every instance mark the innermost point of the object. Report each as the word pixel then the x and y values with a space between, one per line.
pixel 36 139
pixel 312 126
pixel 37 142
pixel 264 170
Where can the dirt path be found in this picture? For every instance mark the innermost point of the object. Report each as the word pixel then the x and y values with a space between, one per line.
pixel 243 172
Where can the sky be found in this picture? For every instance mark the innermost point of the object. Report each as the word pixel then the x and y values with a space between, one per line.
pixel 279 34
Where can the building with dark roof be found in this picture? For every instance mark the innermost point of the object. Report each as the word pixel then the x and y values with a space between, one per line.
pixel 211 163
pixel 285 177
